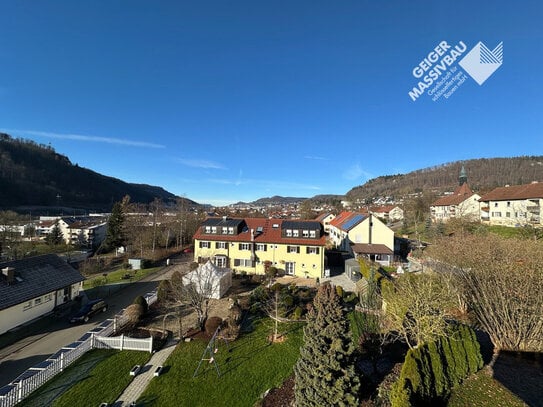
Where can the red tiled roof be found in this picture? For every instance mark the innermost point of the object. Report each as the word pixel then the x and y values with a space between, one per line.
pixel 384 209
pixel 459 195
pixel 526 191
pixel 343 219
pixel 269 234
pixel 364 248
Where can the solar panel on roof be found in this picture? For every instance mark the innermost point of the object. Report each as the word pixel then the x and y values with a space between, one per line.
pixel 353 221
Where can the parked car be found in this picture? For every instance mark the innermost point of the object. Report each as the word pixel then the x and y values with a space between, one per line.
pixel 88 310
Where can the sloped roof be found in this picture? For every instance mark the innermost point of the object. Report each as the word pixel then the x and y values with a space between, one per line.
pixel 384 209
pixel 515 192
pixel 365 248
pixel 271 233
pixel 323 216
pixel 459 195
pixel 39 275
pixel 209 270
pixel 347 220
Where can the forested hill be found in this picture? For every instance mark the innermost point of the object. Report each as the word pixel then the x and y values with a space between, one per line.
pixel 32 174
pixel 484 174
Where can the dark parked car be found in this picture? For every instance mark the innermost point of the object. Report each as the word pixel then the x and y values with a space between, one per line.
pixel 88 310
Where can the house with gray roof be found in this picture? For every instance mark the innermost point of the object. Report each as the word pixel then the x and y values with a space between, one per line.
pixel 34 286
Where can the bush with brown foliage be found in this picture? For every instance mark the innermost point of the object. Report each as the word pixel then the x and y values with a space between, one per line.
pixel 211 325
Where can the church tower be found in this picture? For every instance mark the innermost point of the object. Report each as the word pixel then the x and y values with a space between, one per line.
pixel 463 178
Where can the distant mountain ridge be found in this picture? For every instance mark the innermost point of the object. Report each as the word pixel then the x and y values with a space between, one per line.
pixel 33 174
pixel 484 174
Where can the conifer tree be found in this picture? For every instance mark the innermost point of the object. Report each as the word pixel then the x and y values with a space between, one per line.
pixel 55 236
pixel 325 372
pixel 115 228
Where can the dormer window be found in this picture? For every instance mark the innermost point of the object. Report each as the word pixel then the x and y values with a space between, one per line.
pixel 289 232
pixel 224 230
pixel 295 233
pixel 312 233
pixel 208 229
pixel 305 233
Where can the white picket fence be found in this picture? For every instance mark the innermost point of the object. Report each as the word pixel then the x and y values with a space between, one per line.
pixel 98 337
pixel 122 343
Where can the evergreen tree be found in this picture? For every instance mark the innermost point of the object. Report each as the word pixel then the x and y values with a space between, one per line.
pixel 55 236
pixel 115 228
pixel 325 372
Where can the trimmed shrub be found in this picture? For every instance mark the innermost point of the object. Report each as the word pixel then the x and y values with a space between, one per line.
pixel 163 291
pixel 143 302
pixel 431 370
pixel 297 314
pixel 133 312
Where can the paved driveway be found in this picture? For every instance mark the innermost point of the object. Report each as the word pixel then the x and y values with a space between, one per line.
pixel 29 351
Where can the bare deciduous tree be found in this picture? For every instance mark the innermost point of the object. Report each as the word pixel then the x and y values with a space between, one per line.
pixel 502 282
pixel 418 307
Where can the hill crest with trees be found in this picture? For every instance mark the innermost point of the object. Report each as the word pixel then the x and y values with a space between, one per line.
pixel 35 175
pixel 484 174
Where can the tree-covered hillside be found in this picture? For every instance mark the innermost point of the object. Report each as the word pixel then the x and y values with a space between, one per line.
pixel 484 174
pixel 33 174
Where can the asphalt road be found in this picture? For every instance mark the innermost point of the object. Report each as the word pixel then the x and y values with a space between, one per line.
pixel 16 358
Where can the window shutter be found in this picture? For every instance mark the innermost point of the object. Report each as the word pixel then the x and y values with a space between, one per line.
pixel 240 246
pixel 307 250
pixel 298 249
pixel 318 250
pixel 200 244
pixel 265 247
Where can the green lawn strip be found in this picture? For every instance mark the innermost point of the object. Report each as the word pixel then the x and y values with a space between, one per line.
pixel 481 390
pixel 116 276
pixel 249 366
pixel 98 376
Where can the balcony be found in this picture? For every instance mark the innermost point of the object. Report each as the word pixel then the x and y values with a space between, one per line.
pixel 533 209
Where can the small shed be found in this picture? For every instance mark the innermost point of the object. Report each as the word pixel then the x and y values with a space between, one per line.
pixel 210 280
pixel 135 264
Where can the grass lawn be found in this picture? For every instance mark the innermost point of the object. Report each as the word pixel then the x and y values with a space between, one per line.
pixel 481 390
pixel 117 276
pixel 249 366
pixel 98 376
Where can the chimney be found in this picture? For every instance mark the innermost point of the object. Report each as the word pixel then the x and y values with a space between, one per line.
pixel 225 218
pixel 9 272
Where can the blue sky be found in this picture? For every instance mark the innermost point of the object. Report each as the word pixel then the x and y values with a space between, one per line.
pixel 227 101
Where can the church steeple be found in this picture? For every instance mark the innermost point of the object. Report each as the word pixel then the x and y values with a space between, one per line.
pixel 463 178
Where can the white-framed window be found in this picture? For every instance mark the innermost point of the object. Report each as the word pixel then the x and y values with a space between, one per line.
pixel 230 230
pixel 243 263
pixel 312 250
pixel 245 246
pixel 48 297
pixel 27 305
pixel 290 268
pixel 295 233
pixel 208 229
pixel 224 230
pixel 220 245
pixel 220 261
pixel 312 233
pixel 293 249
pixel 496 214
pixel 289 232
pixel 305 233
pixel 205 245
pixel 507 214
pixel 261 247
pixel 37 301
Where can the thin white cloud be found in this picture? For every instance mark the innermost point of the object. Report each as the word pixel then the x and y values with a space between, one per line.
pixel 355 171
pixel 206 164
pixel 315 157
pixel 85 138
pixel 270 184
